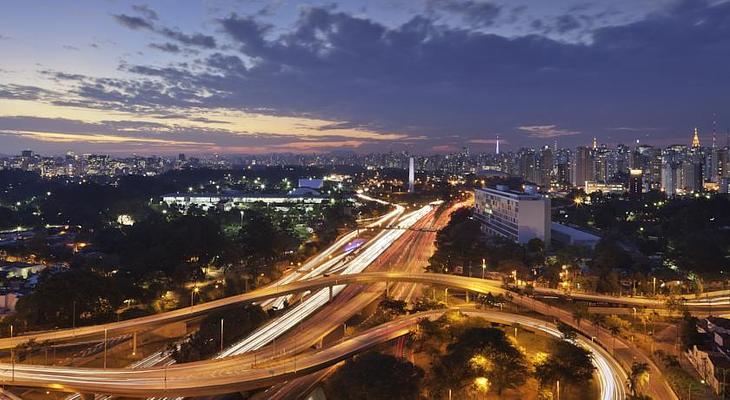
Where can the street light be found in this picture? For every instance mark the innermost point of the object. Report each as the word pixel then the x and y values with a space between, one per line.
pixel 221 335
pixel 192 295
pixel 484 267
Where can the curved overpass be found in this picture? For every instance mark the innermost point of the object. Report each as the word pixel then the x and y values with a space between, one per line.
pixel 472 284
pixel 122 327
pixel 229 375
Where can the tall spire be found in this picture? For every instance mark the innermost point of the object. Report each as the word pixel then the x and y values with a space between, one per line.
pixel 497 144
pixel 696 140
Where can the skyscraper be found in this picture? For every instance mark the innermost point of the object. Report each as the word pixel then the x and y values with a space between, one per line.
pixel 636 183
pixel 411 175
pixel 582 166
pixel 696 140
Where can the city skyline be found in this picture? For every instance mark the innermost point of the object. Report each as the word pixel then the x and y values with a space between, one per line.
pixel 426 77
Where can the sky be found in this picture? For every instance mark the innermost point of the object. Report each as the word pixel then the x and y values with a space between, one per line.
pixel 424 76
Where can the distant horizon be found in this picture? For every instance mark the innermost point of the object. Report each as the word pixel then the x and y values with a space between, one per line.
pixel 504 148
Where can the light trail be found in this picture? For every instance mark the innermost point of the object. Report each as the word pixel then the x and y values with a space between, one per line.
pixel 224 376
pixel 311 269
pixel 272 330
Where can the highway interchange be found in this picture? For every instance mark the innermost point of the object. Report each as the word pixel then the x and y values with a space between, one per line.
pixel 238 367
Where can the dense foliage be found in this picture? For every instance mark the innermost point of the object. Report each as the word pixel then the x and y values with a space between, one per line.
pixel 206 342
pixel 375 376
pixel 81 295
pixel 691 233
pixel 461 243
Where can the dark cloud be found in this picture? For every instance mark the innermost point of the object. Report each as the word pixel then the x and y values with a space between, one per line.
pixel 151 136
pixel 195 39
pixel 147 23
pixel 132 22
pixel 567 23
pixel 427 78
pixel 145 11
pixel 477 13
pixel 166 47
pixel 22 92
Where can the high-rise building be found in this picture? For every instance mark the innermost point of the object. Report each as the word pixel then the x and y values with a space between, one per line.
pixel 562 173
pixel 545 166
pixel 670 178
pixel 689 177
pixel 519 216
pixel 636 184
pixel 527 165
pixel 411 176
pixel 696 140
pixel 582 166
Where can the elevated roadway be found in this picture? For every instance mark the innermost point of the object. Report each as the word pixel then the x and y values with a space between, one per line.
pixel 229 375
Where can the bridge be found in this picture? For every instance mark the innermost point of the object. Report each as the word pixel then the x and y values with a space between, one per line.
pixel 230 374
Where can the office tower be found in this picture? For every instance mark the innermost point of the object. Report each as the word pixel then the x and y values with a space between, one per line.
pixel 411 176
pixel 519 216
pixel 690 177
pixel 562 173
pixel 545 166
pixel 670 177
pixel 582 166
pixel 636 184
pixel 696 140
pixel 527 165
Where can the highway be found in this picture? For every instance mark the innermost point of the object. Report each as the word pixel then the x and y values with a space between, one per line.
pixel 409 254
pixel 722 305
pixel 623 351
pixel 322 263
pixel 311 304
pixel 228 375
pixel 137 324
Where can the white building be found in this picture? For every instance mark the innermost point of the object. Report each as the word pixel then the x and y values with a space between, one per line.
pixel 519 216
pixel 238 200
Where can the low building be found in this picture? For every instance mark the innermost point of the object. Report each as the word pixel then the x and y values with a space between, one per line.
pixel 8 301
pixel 228 201
pixel 311 183
pixel 566 235
pixel 21 270
pixel 518 216
pixel 613 188
pixel 711 358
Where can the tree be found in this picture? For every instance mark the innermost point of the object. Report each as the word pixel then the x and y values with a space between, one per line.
pixel 688 332
pixel 638 378
pixel 375 376
pixel 567 362
pixel 596 320
pixel 458 243
pixel 94 297
pixel 480 352
pixel 580 312
pixel 238 322
pixel 568 332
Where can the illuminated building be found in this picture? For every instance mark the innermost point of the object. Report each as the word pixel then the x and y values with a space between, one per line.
pixel 519 216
